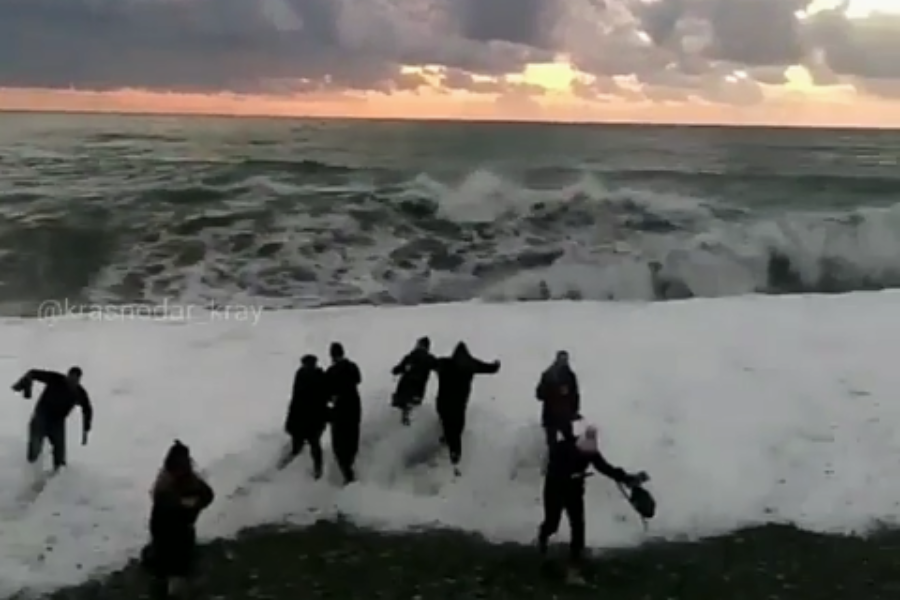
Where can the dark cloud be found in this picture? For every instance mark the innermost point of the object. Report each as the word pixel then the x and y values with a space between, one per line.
pixel 674 48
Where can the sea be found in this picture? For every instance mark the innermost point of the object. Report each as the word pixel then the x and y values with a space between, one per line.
pixel 307 213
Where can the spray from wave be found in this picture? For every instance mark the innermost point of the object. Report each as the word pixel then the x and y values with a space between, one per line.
pixel 326 234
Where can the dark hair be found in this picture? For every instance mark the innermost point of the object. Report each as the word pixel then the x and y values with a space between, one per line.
pixel 336 350
pixel 75 371
pixel 309 360
pixel 177 469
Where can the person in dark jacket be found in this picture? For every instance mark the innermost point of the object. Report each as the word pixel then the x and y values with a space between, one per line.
pixel 561 398
pixel 570 458
pixel 343 380
pixel 60 395
pixel 308 411
pixel 179 495
pixel 455 374
pixel 414 371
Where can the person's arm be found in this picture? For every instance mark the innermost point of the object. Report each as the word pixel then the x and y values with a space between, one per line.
pixel 356 375
pixel 603 467
pixel 205 494
pixel 576 396
pixel 540 391
pixel 87 415
pixel 23 385
pixel 402 365
pixel 484 368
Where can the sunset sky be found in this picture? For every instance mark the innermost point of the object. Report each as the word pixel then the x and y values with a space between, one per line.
pixel 784 62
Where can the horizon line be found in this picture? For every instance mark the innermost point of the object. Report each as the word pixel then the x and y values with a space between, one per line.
pixel 446 120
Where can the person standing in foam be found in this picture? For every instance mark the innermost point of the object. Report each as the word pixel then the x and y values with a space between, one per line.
pixel 561 398
pixel 455 374
pixel 570 458
pixel 61 394
pixel 342 380
pixel 414 370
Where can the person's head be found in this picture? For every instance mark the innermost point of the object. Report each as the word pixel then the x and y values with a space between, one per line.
pixel 336 351
pixel 461 352
pixel 587 441
pixel 423 343
pixel 562 358
pixel 178 460
pixel 309 361
pixel 74 375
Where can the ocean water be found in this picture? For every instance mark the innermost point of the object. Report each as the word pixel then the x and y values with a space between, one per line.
pixel 308 213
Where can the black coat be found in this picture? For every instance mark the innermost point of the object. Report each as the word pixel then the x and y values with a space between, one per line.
pixel 455 374
pixel 559 393
pixel 343 380
pixel 308 410
pixel 173 536
pixel 414 371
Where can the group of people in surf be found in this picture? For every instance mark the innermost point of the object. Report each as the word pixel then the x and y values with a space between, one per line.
pixel 330 398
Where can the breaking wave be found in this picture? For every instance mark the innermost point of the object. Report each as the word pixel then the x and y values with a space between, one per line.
pixel 306 233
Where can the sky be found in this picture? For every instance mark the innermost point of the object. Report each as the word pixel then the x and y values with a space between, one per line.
pixel 781 62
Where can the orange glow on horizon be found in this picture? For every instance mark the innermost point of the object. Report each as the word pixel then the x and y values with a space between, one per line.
pixel 541 92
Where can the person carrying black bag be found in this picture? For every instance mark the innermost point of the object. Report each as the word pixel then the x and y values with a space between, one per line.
pixel 570 458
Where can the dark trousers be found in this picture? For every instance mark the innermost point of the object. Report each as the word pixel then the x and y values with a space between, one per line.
pixel 170 564
pixel 313 437
pixel 559 499
pixel 453 425
pixel 345 445
pixel 40 430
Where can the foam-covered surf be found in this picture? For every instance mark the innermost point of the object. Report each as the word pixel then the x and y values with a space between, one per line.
pixel 743 410
pixel 300 215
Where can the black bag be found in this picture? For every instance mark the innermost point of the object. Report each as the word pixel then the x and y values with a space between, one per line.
pixel 643 502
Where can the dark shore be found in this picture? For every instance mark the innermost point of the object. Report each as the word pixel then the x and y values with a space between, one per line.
pixel 337 561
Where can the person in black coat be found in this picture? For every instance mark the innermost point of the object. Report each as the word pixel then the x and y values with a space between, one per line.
pixel 558 392
pixel 570 458
pixel 308 411
pixel 455 374
pixel 60 395
pixel 343 380
pixel 414 371
pixel 179 496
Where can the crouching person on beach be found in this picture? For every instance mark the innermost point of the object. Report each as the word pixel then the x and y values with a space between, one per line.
pixel 179 496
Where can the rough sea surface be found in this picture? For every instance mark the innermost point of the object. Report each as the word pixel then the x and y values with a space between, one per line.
pixel 308 213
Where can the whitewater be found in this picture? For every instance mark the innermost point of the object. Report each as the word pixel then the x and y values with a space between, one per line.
pixel 743 410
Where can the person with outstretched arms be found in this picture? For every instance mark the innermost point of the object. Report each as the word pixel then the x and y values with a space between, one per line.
pixel 570 459
pixel 60 395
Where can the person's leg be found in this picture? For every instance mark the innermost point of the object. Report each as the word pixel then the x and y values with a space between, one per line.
pixel 36 436
pixel 553 509
pixel 341 449
pixel 56 434
pixel 453 435
pixel 574 508
pixel 315 449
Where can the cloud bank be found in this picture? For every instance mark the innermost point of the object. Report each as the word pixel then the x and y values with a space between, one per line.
pixel 713 50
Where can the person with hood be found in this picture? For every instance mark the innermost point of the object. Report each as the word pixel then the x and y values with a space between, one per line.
pixel 558 391
pixel 570 458
pixel 343 380
pixel 179 495
pixel 414 371
pixel 60 395
pixel 455 374
pixel 307 415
